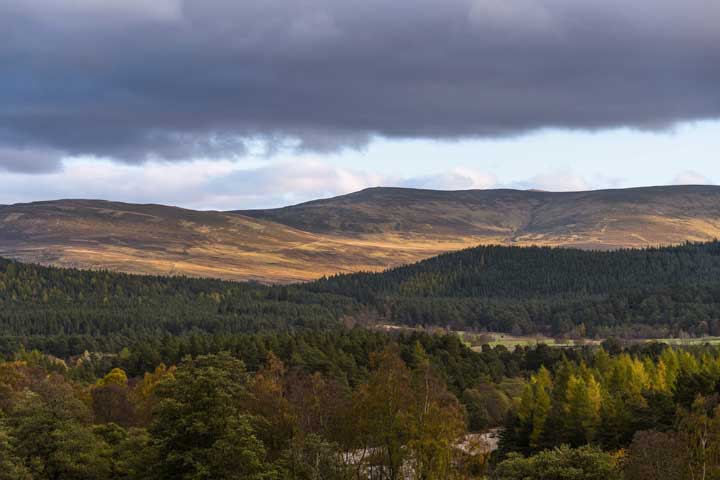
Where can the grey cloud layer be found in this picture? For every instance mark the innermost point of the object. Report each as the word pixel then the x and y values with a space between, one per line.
pixel 177 79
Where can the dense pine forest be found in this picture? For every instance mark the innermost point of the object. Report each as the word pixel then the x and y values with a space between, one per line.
pixel 652 292
pixel 661 292
pixel 113 376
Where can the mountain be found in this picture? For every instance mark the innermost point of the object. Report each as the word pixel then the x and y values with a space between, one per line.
pixel 156 239
pixel 596 219
pixel 368 230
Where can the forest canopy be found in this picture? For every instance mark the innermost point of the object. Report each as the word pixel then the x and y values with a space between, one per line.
pixel 655 292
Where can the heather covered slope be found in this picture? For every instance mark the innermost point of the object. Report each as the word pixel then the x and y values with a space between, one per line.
pixel 156 239
pixel 594 219
pixel 368 230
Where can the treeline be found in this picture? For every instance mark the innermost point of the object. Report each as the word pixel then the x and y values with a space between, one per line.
pixel 45 301
pixel 657 292
pixel 653 292
pixel 529 272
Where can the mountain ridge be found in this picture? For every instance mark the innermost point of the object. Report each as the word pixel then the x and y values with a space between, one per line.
pixel 368 230
pixel 511 210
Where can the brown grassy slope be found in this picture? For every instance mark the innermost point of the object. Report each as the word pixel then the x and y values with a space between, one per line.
pixel 156 239
pixel 367 230
pixel 596 219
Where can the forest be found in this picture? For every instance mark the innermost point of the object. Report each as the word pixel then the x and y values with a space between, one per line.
pixel 650 293
pixel 413 407
pixel 115 376
pixel 654 292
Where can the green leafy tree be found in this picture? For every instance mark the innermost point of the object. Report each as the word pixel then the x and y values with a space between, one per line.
pixel 535 405
pixel 267 402
pixel 201 430
pixel 436 422
pixel 378 423
pixel 700 435
pixel 11 464
pixel 583 407
pixel 52 435
pixel 562 463
pixel 486 405
pixel 110 399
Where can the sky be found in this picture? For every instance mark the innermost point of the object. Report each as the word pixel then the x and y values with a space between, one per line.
pixel 220 104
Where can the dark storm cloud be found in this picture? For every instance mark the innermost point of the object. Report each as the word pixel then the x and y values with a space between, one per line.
pixel 32 160
pixel 175 79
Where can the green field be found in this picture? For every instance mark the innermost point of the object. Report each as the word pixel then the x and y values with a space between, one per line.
pixel 477 340
pixel 687 341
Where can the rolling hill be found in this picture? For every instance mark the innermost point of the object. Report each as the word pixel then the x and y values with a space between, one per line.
pixel 156 239
pixel 368 230
pixel 600 219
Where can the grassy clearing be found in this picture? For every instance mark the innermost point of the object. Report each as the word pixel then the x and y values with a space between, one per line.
pixel 687 341
pixel 477 340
